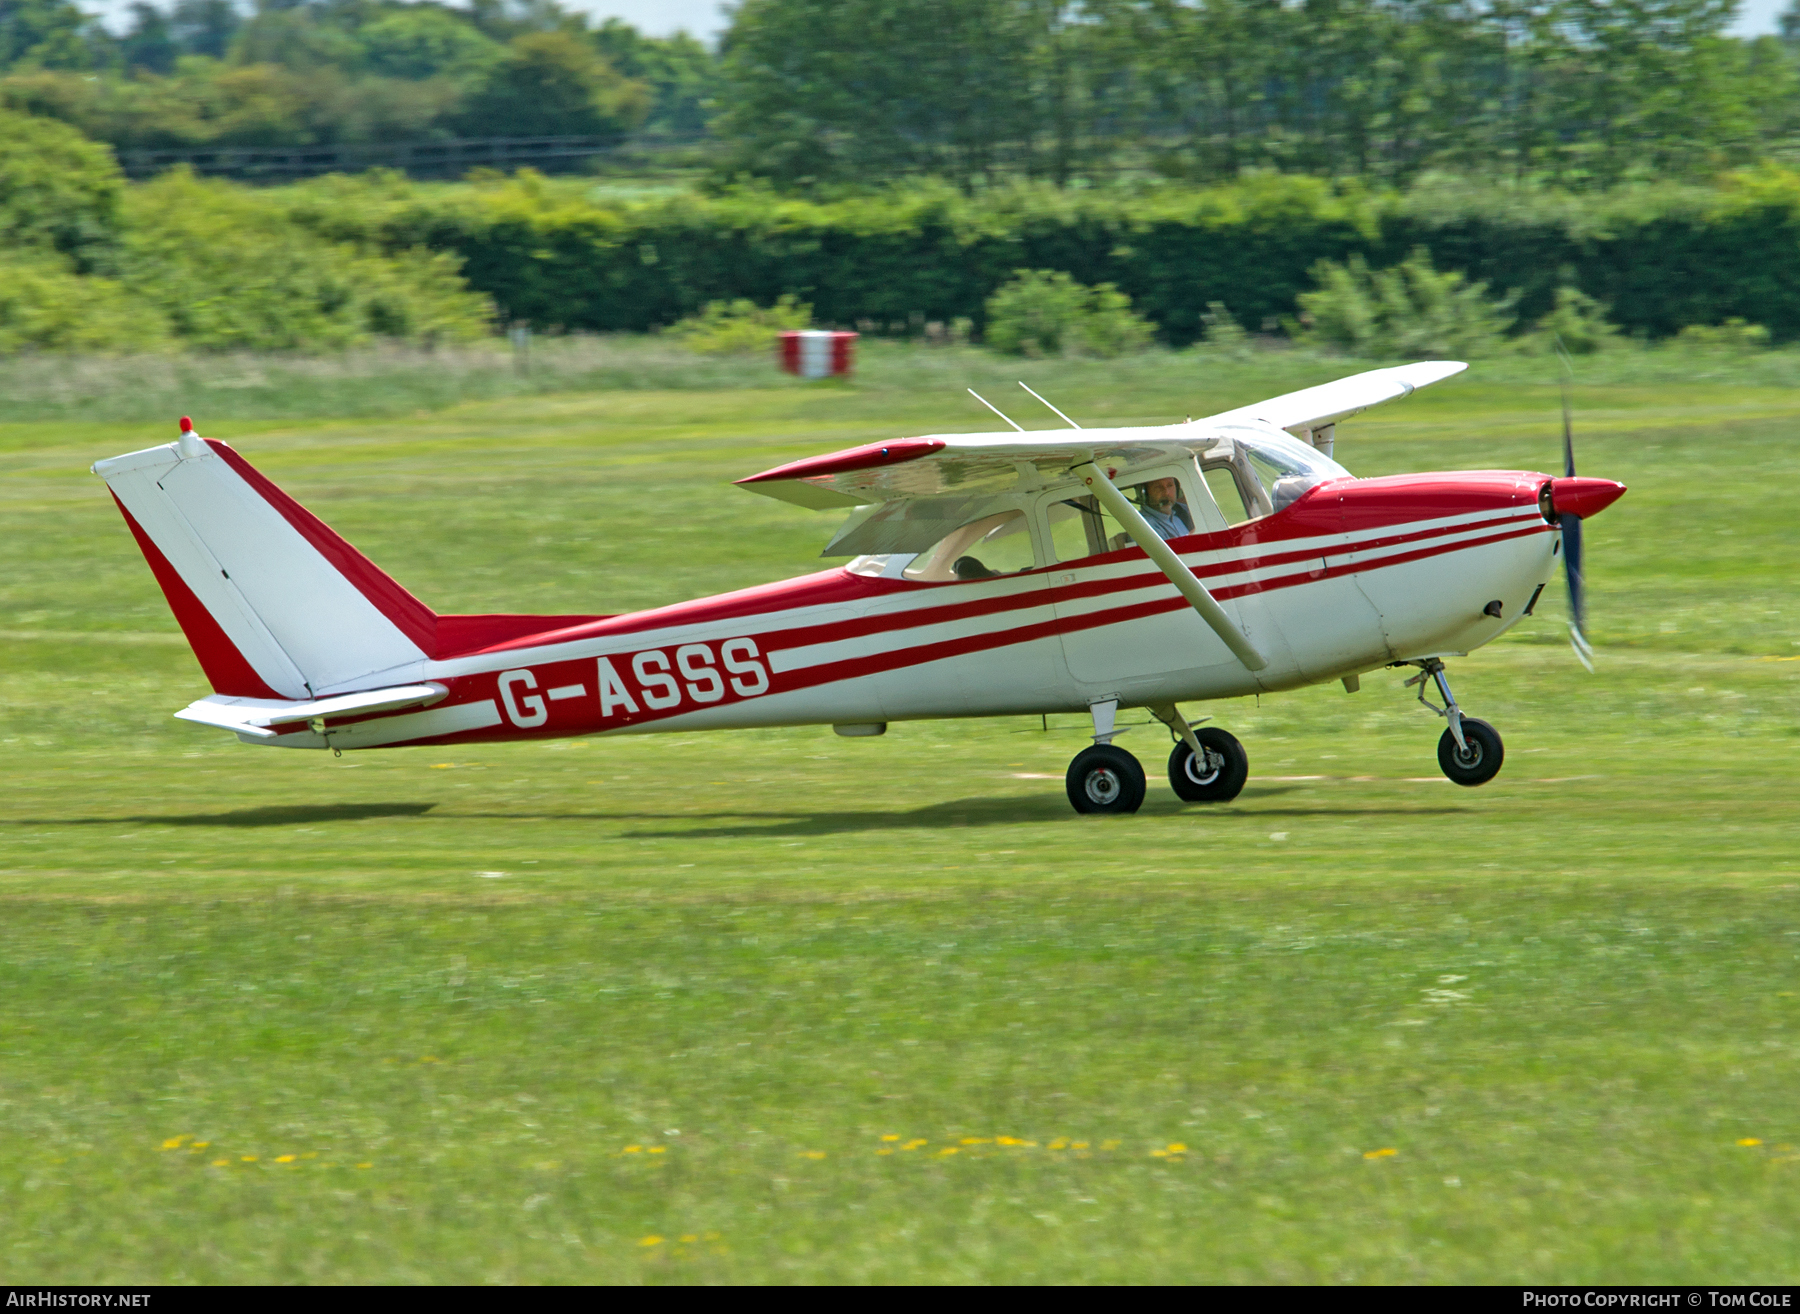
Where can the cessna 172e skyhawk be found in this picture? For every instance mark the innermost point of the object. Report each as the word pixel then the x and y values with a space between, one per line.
pixel 992 574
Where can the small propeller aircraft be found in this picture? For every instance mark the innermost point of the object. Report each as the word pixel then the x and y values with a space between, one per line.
pixel 991 574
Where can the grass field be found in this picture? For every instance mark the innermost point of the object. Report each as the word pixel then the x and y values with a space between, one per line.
pixel 778 1006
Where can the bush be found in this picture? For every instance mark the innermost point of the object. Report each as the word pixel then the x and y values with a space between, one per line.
pixel 1221 332
pixel 1410 310
pixel 58 190
pixel 1733 336
pixel 740 327
pixel 46 307
pixel 1045 313
pixel 1578 325
pixel 230 271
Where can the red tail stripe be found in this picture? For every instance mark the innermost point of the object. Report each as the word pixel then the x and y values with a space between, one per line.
pixel 227 670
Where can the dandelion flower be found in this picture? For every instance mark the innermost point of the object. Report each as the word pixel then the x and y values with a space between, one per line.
pixel 688 1239
pixel 913 1145
pixel 249 1158
pixel 1159 1154
pixel 633 1149
pixel 1385 1152
pixel 812 1154
pixel 948 1149
pixel 885 1150
pixel 1078 1145
pixel 1750 1140
pixel 1008 1140
pixel 173 1143
pixel 221 1163
pixel 1059 1144
pixel 286 1158
pixel 657 1149
pixel 890 1138
pixel 975 1140
pixel 651 1241
pixel 1176 1147
pixel 365 1165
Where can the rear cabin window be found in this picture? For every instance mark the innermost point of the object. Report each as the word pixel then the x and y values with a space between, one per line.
pixel 995 545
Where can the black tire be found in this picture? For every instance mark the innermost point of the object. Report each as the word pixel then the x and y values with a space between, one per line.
pixel 1220 778
pixel 1105 779
pixel 1481 763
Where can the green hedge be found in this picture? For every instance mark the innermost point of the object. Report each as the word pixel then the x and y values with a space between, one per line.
pixel 1662 259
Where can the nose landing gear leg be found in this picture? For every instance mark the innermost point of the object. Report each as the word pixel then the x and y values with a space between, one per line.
pixel 1470 751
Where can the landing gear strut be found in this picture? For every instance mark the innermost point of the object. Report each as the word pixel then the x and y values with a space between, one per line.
pixel 1469 751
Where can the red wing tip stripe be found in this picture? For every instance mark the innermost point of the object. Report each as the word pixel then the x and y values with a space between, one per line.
pixel 868 457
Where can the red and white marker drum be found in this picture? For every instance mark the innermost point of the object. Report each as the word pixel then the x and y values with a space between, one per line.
pixel 817 353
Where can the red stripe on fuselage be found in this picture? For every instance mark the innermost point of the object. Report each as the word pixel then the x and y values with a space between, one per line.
pixel 826 588
pixel 480 686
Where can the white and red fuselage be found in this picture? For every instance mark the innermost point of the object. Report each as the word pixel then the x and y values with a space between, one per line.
pixel 1322 576
pixel 1354 574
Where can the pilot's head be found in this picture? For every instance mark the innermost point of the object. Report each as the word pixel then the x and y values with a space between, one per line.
pixel 1161 495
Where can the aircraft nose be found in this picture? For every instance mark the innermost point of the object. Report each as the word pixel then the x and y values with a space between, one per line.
pixel 1579 497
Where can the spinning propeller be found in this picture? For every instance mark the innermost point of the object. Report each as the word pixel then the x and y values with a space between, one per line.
pixel 1566 502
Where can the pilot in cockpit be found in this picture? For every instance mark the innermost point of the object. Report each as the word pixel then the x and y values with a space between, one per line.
pixel 1163 508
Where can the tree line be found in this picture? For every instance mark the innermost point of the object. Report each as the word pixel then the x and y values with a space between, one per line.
pixel 305 72
pixel 827 95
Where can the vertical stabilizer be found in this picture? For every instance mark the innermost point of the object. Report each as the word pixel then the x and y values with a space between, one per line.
pixel 274 603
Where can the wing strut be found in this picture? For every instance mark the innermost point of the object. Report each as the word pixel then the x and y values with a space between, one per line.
pixel 1164 556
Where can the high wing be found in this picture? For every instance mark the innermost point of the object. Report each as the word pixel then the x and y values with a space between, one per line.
pixel 973 463
pixel 1315 408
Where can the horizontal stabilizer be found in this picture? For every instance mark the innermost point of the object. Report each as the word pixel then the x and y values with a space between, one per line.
pixel 256 716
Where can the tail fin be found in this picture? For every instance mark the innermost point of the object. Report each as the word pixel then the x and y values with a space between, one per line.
pixel 274 603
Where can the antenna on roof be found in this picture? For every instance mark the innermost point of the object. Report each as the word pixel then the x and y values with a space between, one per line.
pixel 995 409
pixel 1065 419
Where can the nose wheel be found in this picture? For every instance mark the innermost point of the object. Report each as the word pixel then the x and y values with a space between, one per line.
pixel 1469 751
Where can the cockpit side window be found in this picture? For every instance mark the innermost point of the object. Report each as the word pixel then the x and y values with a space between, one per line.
pixel 994 545
pixel 1081 527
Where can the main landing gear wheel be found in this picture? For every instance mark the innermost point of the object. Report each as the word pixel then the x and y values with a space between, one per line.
pixel 1217 779
pixel 1478 761
pixel 1105 779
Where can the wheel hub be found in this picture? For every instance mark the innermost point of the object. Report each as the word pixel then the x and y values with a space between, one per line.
pixel 1103 785
pixel 1204 773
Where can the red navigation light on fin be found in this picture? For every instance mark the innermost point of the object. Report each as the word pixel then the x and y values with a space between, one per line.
pixel 187 425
